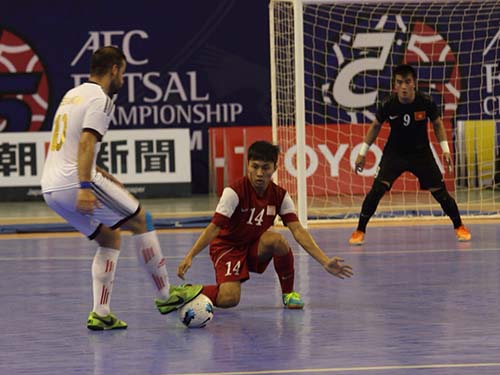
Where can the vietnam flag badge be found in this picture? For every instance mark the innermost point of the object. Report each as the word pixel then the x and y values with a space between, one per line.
pixel 419 116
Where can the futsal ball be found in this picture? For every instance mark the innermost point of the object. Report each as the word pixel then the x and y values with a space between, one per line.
pixel 197 313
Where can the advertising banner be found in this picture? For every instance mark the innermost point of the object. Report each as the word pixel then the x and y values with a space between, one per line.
pixel 330 157
pixel 153 163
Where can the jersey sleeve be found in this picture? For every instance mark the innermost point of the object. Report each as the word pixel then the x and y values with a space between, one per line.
pixel 287 210
pixel 432 110
pixel 383 111
pixel 98 115
pixel 225 208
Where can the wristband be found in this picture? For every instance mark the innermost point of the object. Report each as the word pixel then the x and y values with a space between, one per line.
pixel 85 184
pixel 364 149
pixel 444 146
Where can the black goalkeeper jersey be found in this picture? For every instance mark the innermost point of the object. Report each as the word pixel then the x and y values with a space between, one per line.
pixel 408 123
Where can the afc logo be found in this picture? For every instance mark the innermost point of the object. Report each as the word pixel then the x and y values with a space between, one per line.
pixel 120 38
pixel 24 89
pixel 362 56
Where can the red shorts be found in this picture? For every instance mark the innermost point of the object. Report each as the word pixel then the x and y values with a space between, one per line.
pixel 236 263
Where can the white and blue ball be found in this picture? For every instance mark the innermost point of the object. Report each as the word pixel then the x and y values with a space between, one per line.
pixel 197 313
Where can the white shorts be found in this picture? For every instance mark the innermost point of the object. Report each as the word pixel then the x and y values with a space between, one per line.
pixel 117 206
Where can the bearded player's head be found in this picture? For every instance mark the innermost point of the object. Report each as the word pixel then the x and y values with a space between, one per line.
pixel 107 67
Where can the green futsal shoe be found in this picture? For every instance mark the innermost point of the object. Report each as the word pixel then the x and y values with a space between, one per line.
pixel 96 322
pixel 179 296
pixel 292 301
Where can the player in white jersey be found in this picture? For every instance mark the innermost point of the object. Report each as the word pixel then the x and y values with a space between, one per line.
pixel 91 199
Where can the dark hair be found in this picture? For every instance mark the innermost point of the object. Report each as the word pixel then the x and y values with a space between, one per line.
pixel 104 58
pixel 263 151
pixel 404 70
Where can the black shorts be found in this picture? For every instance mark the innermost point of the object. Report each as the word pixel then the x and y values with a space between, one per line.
pixel 421 164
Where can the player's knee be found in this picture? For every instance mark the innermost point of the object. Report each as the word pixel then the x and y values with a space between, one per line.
pixel 145 221
pixel 140 223
pixel 441 194
pixel 378 189
pixel 373 197
pixel 226 300
pixel 108 237
pixel 276 242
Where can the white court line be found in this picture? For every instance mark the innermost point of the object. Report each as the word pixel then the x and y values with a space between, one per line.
pixel 48 258
pixel 360 251
pixel 301 254
pixel 85 257
pixel 339 369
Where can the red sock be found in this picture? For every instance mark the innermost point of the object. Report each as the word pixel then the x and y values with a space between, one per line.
pixel 286 273
pixel 211 292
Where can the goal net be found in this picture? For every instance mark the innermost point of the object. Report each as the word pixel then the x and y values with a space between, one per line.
pixel 331 64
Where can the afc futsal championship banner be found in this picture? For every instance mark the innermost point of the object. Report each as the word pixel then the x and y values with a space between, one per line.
pixel 190 64
pixel 149 163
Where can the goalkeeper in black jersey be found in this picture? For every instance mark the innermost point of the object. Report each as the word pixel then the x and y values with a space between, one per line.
pixel 407 149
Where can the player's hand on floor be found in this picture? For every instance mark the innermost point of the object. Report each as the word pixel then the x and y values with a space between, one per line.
pixel 336 267
pixel 183 267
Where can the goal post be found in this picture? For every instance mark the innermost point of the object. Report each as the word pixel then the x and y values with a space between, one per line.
pixel 288 107
pixel 331 64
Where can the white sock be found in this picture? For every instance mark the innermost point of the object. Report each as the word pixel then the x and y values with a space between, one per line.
pixel 103 274
pixel 150 255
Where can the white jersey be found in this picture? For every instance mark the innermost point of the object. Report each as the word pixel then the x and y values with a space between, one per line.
pixel 84 107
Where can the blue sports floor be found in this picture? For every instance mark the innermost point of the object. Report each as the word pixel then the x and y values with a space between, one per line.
pixel 419 303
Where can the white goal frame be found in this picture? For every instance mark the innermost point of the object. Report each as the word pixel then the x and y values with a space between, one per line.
pixel 299 92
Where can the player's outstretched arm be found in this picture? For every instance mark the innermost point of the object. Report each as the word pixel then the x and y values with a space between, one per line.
pixel 336 267
pixel 440 133
pixel 370 137
pixel 333 265
pixel 209 233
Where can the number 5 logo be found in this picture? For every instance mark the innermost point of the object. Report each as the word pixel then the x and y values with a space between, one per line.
pixel 24 90
pixel 342 91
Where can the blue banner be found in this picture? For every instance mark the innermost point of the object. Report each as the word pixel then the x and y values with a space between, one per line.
pixel 351 50
pixel 191 64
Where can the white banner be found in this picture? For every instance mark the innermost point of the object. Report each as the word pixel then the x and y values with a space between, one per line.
pixel 133 156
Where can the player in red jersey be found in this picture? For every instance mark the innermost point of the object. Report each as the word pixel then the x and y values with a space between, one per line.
pixel 240 241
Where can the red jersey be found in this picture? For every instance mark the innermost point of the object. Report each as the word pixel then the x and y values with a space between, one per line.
pixel 243 216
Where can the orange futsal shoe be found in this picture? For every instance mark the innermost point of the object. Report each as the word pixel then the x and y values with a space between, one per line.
pixel 357 238
pixel 463 234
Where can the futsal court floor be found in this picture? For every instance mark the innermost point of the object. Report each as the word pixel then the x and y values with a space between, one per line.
pixel 419 303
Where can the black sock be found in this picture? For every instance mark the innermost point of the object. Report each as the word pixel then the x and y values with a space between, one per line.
pixel 448 205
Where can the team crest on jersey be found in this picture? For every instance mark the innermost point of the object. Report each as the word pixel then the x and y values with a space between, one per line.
pixel 271 210
pixel 24 89
pixel 419 116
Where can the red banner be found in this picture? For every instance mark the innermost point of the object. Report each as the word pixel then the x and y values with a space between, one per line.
pixel 331 152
